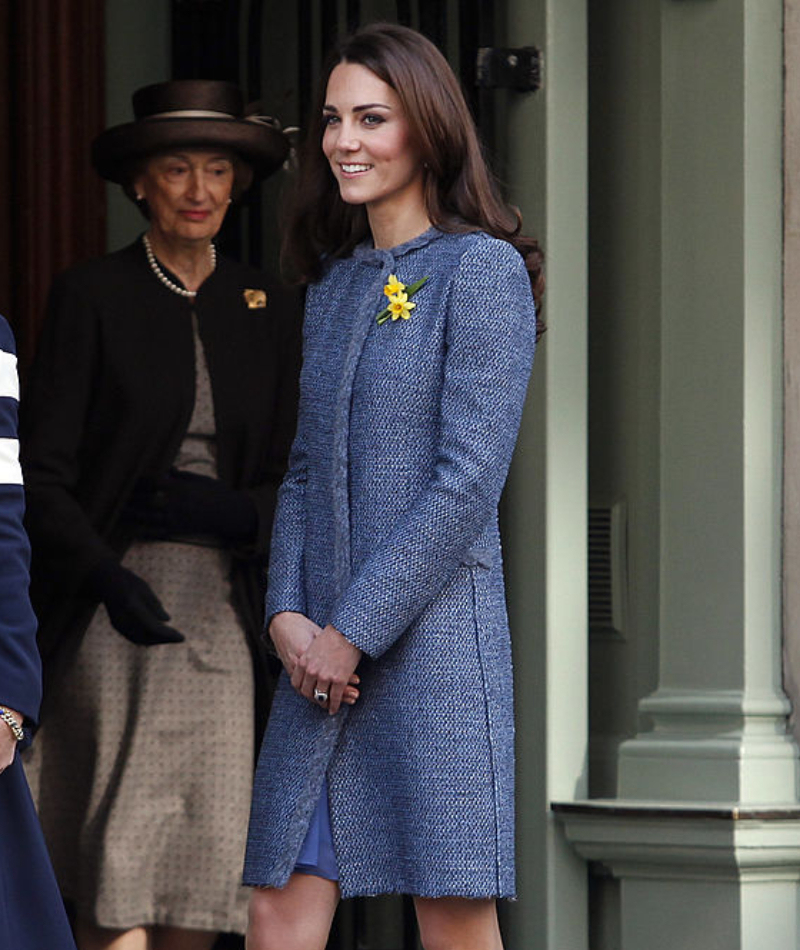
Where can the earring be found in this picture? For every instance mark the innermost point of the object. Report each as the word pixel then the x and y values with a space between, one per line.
pixel 139 197
pixel 230 201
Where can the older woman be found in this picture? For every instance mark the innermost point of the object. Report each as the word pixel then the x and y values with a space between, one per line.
pixel 155 432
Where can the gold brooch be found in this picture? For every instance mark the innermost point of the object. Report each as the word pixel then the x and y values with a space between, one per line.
pixel 255 299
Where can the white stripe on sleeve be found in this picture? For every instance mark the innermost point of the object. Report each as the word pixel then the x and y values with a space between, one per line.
pixel 10 470
pixel 9 384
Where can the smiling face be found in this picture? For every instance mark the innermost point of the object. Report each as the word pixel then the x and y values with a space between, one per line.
pixel 368 144
pixel 187 193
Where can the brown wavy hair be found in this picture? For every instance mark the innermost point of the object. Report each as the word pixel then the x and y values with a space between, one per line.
pixel 461 195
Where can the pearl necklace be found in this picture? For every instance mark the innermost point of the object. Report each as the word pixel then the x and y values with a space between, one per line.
pixel 170 285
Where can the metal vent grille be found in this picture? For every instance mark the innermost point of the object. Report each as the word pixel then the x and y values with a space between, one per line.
pixel 607 568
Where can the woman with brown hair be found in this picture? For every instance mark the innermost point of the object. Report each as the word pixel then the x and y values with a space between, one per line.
pixel 419 335
pixel 156 427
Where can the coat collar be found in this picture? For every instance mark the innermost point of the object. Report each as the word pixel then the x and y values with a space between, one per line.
pixel 367 254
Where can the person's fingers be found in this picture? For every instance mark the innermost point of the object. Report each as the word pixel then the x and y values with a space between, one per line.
pixel 164 634
pixel 297 676
pixel 153 631
pixel 145 630
pixel 351 692
pixel 321 694
pixel 335 698
pixel 149 602
pixel 322 678
pixel 304 681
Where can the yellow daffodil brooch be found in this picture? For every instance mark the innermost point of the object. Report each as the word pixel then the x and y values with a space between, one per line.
pixel 400 306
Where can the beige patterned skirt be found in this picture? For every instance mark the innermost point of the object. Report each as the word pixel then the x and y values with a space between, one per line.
pixel 142 769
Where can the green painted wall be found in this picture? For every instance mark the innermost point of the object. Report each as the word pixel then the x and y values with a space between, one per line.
pixel 685 401
pixel 624 351
pixel 722 216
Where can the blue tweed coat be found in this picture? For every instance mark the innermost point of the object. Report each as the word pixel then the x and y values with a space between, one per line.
pixel 386 527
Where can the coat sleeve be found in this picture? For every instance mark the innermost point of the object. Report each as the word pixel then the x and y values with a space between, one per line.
pixel 20 668
pixel 286 586
pixel 54 411
pixel 491 332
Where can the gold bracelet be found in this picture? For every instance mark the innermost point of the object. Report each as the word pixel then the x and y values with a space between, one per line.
pixel 12 723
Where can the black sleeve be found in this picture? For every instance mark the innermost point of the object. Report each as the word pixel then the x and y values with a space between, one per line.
pixel 54 412
pixel 284 422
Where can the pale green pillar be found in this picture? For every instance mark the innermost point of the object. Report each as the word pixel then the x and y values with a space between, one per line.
pixel 705 834
pixel 545 530
pixel 719 712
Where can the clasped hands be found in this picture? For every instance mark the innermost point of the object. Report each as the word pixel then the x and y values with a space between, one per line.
pixel 316 658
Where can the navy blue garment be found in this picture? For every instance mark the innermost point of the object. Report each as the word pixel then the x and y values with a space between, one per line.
pixel 32 914
pixel 317 856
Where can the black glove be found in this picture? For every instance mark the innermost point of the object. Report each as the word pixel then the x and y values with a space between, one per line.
pixel 186 504
pixel 134 610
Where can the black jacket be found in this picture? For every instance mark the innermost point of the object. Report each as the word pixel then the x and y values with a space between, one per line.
pixel 109 400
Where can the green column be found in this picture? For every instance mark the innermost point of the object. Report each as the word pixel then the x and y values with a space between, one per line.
pixel 719 712
pixel 704 835
pixel 545 530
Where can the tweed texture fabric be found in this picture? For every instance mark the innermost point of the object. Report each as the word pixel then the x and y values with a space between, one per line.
pixel 387 527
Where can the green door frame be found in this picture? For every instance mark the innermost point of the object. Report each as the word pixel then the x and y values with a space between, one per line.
pixel 546 535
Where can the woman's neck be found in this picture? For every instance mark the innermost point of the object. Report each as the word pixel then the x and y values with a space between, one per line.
pixel 391 228
pixel 191 261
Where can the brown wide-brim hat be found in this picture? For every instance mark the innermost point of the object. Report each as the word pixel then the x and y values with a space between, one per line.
pixel 189 113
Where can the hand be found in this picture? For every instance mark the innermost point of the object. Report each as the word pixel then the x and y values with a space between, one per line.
pixel 292 634
pixel 8 743
pixel 184 503
pixel 133 608
pixel 328 665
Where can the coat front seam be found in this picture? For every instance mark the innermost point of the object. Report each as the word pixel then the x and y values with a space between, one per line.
pixel 489 724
